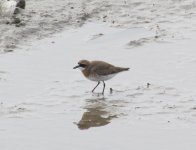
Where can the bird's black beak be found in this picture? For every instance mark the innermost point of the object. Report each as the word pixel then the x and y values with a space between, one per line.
pixel 76 67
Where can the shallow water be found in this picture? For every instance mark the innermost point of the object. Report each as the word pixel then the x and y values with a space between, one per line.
pixel 46 104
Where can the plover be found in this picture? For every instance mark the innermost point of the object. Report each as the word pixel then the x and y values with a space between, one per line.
pixel 98 71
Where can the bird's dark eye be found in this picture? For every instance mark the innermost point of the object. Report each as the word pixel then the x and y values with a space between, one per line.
pixel 82 65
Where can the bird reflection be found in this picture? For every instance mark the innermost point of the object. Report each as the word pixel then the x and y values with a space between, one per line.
pixel 96 115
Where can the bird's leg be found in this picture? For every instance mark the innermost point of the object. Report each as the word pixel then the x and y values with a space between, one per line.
pixel 103 87
pixel 96 86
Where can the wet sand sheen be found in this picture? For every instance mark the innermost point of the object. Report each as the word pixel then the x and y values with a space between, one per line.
pixel 51 104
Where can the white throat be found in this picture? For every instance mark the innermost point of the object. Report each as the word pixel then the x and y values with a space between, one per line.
pixel 81 68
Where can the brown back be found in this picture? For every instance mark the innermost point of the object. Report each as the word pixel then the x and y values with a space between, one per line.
pixel 103 68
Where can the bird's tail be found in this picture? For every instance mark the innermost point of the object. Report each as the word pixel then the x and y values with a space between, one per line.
pixel 125 69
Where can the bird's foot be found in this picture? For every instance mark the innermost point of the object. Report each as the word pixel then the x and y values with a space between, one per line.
pixel 98 94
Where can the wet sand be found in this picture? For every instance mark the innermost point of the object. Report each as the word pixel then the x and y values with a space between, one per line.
pixel 168 20
pixel 45 104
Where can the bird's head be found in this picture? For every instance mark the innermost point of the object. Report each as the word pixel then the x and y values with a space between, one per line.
pixel 82 64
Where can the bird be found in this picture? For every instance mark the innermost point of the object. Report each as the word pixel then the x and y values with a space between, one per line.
pixel 98 71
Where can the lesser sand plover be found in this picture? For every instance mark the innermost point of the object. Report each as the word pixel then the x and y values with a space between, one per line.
pixel 98 71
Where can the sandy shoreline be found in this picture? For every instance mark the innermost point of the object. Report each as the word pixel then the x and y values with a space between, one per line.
pixel 167 19
pixel 46 105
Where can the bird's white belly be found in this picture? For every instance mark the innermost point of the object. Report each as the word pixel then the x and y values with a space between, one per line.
pixel 101 78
